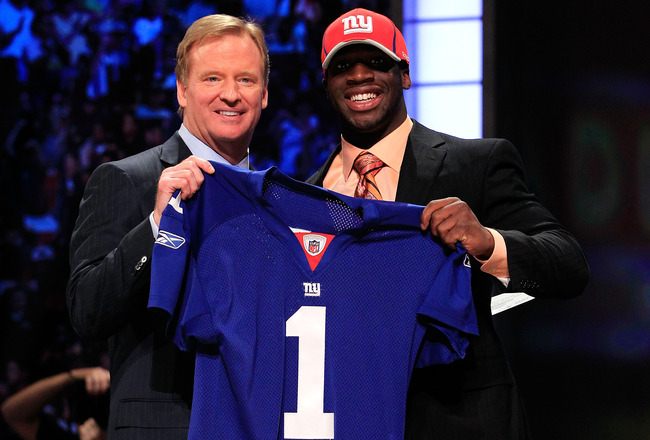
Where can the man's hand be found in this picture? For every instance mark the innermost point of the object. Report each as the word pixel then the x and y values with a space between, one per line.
pixel 97 379
pixel 90 430
pixel 452 221
pixel 186 176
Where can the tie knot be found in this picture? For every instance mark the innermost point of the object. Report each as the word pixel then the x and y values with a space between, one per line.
pixel 367 163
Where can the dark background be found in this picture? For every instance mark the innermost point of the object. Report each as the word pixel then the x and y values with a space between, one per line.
pixel 572 91
pixel 567 82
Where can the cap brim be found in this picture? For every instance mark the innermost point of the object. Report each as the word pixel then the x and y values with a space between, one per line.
pixel 341 45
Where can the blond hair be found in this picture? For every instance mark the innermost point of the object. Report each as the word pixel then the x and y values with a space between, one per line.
pixel 218 25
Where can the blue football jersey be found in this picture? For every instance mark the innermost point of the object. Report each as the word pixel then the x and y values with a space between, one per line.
pixel 307 310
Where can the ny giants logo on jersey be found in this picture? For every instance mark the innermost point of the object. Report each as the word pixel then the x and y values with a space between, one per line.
pixel 360 23
pixel 311 289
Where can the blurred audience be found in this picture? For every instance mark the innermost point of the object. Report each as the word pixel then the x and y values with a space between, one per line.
pixel 90 81
pixel 44 410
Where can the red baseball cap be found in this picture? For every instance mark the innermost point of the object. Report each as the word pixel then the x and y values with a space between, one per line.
pixel 361 26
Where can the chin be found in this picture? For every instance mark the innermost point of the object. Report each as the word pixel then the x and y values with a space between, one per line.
pixel 365 125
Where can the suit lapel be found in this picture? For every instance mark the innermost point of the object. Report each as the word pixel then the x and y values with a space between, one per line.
pixel 421 165
pixel 318 177
pixel 174 151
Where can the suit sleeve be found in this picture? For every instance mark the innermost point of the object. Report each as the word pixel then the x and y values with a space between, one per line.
pixel 544 259
pixel 110 252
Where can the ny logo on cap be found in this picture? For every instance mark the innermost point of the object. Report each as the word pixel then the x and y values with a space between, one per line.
pixel 352 25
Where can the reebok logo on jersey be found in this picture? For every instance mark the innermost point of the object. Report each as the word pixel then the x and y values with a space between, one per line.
pixel 170 240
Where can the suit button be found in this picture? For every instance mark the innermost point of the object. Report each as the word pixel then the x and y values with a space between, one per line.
pixel 141 263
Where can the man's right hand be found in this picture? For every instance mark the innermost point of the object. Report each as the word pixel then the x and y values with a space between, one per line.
pixel 186 176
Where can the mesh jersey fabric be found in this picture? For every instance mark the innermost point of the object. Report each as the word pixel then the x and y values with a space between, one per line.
pixel 287 351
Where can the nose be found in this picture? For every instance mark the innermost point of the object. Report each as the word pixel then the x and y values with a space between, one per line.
pixel 230 91
pixel 359 72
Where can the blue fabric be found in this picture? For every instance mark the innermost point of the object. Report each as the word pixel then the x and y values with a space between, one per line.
pixel 240 292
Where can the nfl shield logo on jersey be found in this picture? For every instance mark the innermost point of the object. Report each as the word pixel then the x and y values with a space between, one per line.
pixel 314 244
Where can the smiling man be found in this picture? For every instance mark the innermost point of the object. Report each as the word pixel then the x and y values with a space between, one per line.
pixel 222 93
pixel 475 194
pixel 222 73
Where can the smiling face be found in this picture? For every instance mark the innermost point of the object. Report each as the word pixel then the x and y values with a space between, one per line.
pixel 365 87
pixel 224 94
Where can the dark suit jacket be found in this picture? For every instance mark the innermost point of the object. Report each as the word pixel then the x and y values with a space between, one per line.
pixel 110 252
pixel 476 398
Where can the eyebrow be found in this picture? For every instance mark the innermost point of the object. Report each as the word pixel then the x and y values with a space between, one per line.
pixel 246 73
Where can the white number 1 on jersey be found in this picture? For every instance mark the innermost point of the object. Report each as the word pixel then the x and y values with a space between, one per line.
pixel 309 421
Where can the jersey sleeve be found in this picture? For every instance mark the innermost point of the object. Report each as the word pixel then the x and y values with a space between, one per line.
pixel 448 309
pixel 175 287
pixel 169 269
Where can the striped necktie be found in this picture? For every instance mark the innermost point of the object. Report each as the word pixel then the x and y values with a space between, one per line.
pixel 367 165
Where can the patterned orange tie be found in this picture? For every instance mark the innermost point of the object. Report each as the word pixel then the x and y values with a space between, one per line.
pixel 367 165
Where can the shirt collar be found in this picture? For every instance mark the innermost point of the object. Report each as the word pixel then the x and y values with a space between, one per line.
pixel 201 150
pixel 390 149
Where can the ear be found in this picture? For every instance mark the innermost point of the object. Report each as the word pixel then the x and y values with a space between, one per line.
pixel 180 94
pixel 265 97
pixel 406 79
pixel 327 91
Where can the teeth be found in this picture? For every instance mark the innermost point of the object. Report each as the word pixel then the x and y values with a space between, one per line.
pixel 228 113
pixel 363 97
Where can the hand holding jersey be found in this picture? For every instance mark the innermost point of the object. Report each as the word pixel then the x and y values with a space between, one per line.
pixel 290 343
pixel 453 221
pixel 187 177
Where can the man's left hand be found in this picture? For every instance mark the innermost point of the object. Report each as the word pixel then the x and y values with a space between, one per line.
pixel 452 221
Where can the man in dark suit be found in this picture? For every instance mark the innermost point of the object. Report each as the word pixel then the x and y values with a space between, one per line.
pixel 222 74
pixel 475 194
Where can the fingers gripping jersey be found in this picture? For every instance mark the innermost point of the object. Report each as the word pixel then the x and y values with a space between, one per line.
pixel 307 310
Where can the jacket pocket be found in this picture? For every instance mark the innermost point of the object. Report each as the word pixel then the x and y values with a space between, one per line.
pixel 152 413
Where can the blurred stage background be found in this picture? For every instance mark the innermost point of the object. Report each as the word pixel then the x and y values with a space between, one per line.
pixel 92 80
pixel 573 92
